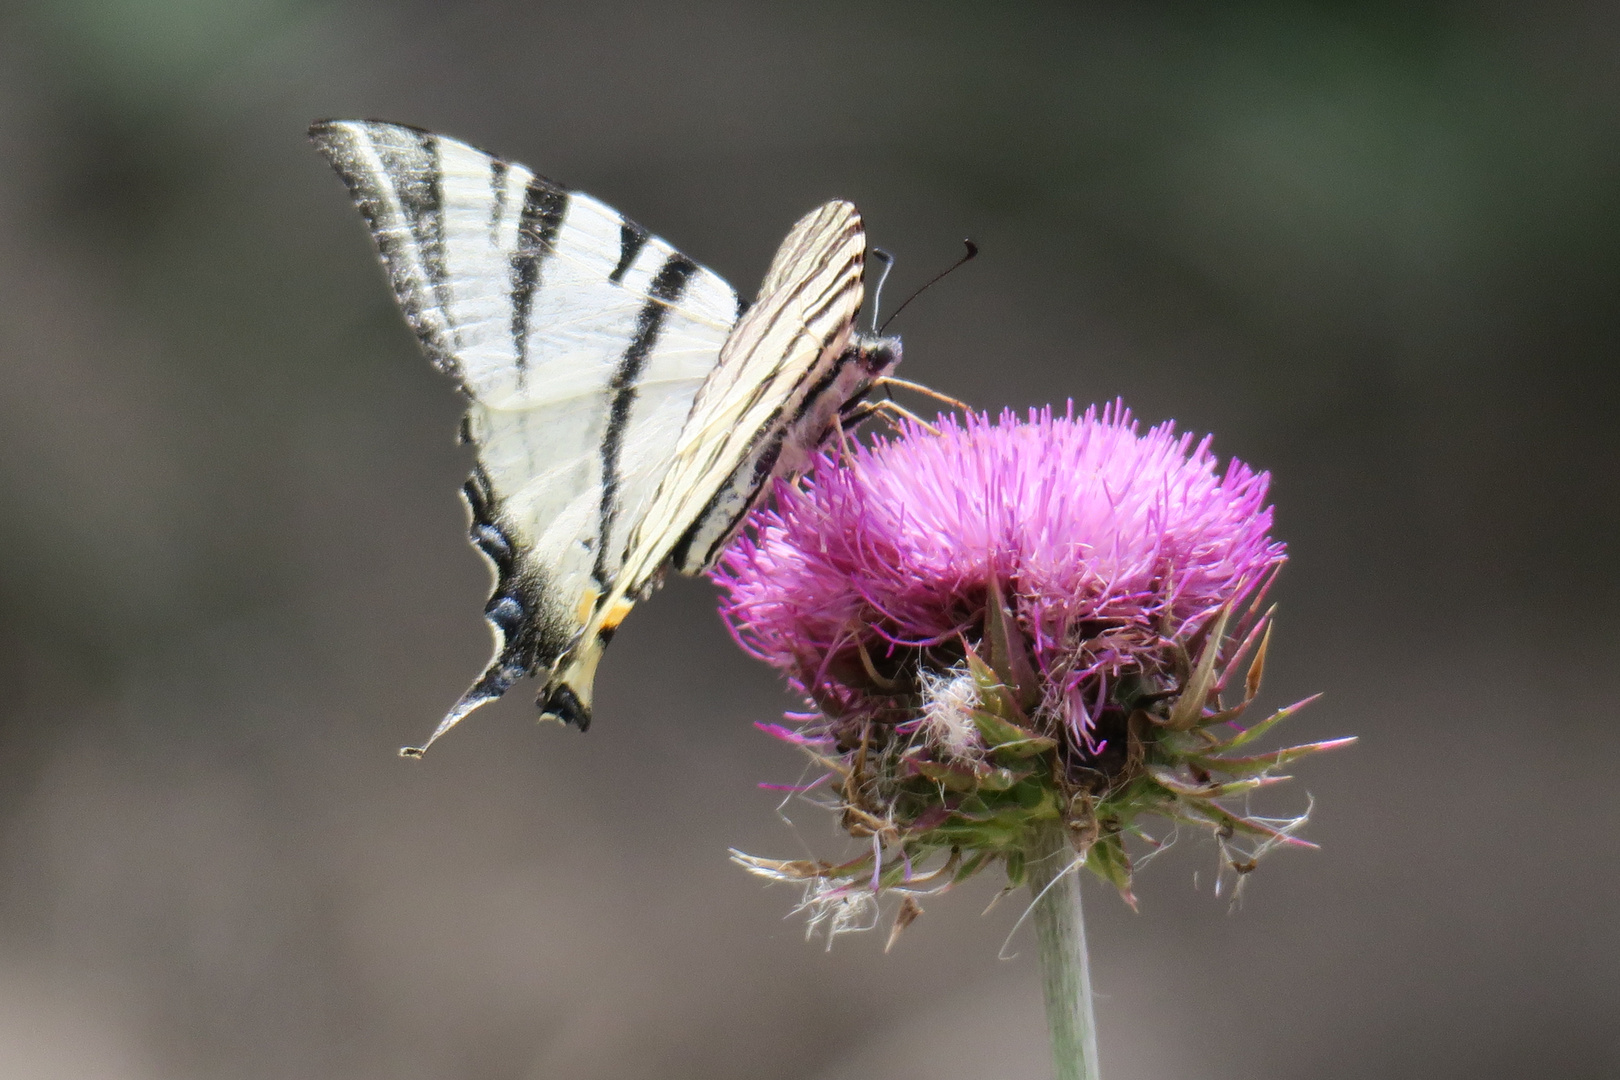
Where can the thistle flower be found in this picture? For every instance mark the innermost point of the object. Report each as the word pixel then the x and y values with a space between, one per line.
pixel 1009 626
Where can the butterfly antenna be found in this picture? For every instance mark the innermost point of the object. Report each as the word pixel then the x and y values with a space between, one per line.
pixel 877 293
pixel 972 250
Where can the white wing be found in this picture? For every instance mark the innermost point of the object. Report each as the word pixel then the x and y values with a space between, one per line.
pixel 581 341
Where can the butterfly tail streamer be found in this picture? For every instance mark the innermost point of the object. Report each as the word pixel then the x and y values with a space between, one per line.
pixel 566 696
pixel 500 676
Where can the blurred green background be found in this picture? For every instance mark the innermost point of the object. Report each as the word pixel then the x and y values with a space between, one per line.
pixel 1375 248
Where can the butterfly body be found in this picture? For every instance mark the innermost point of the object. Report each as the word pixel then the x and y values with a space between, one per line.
pixel 626 409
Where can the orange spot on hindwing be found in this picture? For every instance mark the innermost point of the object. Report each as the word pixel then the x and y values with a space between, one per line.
pixel 613 617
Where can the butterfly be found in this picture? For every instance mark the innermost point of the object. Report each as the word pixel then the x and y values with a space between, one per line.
pixel 627 407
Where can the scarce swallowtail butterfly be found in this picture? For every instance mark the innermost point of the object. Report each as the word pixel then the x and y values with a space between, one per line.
pixel 627 408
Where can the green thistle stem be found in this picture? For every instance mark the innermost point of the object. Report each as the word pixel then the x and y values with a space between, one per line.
pixel 1065 968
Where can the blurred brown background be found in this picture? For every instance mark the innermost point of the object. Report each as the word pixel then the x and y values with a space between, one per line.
pixel 1374 247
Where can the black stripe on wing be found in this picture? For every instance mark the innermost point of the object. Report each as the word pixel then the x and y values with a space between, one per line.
pixel 413 167
pixel 544 205
pixel 632 238
pixel 497 193
pixel 667 287
pixel 402 205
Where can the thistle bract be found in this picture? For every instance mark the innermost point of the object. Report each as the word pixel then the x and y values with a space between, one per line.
pixel 1005 623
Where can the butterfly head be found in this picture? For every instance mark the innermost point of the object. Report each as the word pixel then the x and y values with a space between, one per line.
pixel 876 355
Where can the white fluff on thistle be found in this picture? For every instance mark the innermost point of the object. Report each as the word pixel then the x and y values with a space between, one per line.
pixel 947 719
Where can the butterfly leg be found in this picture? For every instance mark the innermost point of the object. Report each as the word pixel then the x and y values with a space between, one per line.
pixel 856 415
pixel 892 409
pixel 907 384
pixel 899 412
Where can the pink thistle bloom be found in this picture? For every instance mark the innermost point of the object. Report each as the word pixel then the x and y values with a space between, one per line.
pixel 1010 622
